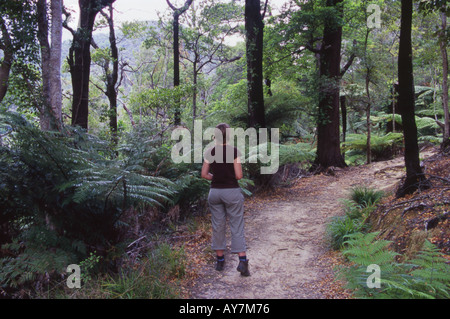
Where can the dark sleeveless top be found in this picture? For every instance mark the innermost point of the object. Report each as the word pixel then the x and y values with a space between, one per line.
pixel 222 167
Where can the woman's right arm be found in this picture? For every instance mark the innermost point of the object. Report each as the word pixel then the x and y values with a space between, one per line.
pixel 205 171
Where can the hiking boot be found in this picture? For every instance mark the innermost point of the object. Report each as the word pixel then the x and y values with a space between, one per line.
pixel 220 265
pixel 243 268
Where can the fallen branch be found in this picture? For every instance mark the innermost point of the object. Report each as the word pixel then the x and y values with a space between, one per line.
pixel 134 242
pixel 405 202
pixel 418 206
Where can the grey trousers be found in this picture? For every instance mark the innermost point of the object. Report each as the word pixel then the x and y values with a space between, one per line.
pixel 223 203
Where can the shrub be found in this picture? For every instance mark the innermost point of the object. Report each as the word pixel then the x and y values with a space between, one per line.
pixel 356 210
pixel 153 279
pixel 289 153
pixel 62 193
pixel 340 227
pixel 382 146
pixel 365 196
pixel 296 153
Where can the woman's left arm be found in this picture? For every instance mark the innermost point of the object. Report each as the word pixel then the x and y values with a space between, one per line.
pixel 238 168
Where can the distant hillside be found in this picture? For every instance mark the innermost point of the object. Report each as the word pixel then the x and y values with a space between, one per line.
pixel 126 46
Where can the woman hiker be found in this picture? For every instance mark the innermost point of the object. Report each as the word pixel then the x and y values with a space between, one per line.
pixel 225 198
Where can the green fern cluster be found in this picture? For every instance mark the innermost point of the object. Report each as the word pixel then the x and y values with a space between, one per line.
pixel 382 146
pixel 426 276
pixel 364 250
pixel 38 255
pixel 289 153
pixel 63 193
pixel 296 153
pixel 425 122
pixel 356 210
pixel 432 272
pixel 365 196
pixel 340 227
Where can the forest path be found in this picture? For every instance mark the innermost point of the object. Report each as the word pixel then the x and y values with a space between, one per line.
pixel 285 236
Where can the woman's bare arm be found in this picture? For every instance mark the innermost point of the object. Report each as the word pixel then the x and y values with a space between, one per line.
pixel 238 168
pixel 205 171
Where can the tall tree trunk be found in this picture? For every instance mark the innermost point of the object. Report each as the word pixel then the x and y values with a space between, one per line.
pixel 50 117
pixel 194 93
pixel 55 60
pixel 177 12
pixel 112 75
pixel 443 45
pixel 414 175
pixel 8 56
pixel 328 135
pixel 176 65
pixel 254 46
pixel 80 59
pixel 343 103
pixel 369 101
pixel 368 123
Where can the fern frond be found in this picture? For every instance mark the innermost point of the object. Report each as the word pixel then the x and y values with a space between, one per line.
pixel 432 272
pixel 364 250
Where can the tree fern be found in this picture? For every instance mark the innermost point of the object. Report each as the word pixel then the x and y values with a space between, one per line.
pixel 426 125
pixel 73 188
pixel 380 144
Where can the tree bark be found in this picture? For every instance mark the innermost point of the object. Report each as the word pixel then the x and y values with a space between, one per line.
pixel 368 123
pixel 55 59
pixel 50 117
pixel 328 135
pixel 176 64
pixel 194 93
pixel 80 59
pixel 254 46
pixel 8 56
pixel 369 101
pixel 414 176
pixel 443 46
pixel 177 12
pixel 343 103
pixel 112 76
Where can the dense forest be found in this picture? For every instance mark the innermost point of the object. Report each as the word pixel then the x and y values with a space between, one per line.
pixel 86 170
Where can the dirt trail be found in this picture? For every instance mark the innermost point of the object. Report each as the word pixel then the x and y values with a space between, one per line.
pixel 285 237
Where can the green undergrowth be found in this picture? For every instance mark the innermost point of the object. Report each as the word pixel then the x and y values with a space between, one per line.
pixel 371 270
pixel 154 275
